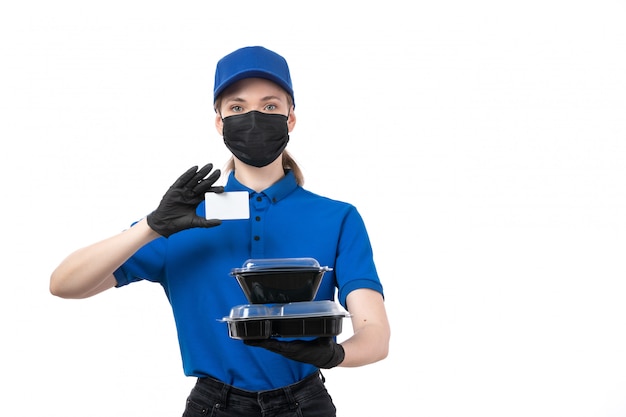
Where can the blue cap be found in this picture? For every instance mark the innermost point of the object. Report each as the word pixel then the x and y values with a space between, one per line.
pixel 252 62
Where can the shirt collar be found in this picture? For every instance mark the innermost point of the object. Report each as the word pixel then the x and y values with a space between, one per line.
pixel 275 192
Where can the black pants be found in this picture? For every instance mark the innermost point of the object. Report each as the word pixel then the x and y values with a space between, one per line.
pixel 307 398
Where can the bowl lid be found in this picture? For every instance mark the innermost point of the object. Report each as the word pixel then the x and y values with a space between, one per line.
pixel 279 264
pixel 290 310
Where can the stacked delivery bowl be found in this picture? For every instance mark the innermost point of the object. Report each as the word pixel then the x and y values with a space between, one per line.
pixel 281 293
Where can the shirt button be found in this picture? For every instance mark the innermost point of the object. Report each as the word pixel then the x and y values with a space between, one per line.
pixel 258 218
pixel 259 198
pixel 257 238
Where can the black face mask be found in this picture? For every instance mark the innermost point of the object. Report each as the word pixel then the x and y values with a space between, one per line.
pixel 256 138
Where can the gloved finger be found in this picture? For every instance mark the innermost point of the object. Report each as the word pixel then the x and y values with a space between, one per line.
pixel 200 222
pixel 218 189
pixel 198 177
pixel 205 185
pixel 323 341
pixel 184 179
pixel 269 344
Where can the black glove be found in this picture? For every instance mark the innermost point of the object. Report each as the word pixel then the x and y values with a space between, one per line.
pixel 177 210
pixel 322 352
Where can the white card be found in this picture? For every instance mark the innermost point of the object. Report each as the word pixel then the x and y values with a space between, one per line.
pixel 227 206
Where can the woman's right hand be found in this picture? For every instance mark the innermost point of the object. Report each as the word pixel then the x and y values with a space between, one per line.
pixel 177 210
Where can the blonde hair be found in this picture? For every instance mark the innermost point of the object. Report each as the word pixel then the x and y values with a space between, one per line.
pixel 288 164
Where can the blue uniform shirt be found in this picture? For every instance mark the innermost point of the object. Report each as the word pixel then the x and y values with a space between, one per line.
pixel 194 265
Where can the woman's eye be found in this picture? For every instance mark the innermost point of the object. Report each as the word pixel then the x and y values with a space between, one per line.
pixel 270 107
pixel 236 109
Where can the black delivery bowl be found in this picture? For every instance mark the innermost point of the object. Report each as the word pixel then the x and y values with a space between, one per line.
pixel 300 319
pixel 283 280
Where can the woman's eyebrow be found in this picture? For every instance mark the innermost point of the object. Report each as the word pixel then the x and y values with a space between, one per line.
pixel 266 98
pixel 236 99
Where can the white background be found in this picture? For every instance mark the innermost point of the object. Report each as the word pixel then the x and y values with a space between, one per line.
pixel 483 142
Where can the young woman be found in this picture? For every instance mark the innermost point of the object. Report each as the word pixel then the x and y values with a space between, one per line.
pixel 192 257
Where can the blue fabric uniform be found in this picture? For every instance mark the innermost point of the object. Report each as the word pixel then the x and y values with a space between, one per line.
pixel 193 266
